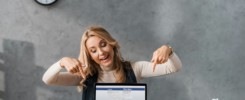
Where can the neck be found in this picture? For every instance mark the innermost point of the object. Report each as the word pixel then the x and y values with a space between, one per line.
pixel 107 68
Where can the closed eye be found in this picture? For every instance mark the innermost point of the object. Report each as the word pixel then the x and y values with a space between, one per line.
pixel 93 51
pixel 103 44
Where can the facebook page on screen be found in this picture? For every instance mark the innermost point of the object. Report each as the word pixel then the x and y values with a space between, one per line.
pixel 120 93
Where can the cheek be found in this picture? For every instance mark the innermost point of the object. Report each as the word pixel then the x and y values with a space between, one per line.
pixel 112 53
pixel 94 57
pixel 109 48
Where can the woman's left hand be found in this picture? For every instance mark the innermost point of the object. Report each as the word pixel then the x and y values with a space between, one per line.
pixel 161 55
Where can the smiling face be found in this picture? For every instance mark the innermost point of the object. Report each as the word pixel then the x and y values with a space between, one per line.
pixel 101 52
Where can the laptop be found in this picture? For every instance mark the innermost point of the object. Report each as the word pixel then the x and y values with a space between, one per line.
pixel 120 91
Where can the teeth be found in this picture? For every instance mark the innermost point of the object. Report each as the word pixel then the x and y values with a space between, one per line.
pixel 104 58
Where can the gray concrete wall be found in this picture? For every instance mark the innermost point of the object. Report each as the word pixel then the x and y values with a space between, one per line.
pixel 208 36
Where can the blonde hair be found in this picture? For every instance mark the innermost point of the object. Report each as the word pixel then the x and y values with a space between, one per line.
pixel 91 66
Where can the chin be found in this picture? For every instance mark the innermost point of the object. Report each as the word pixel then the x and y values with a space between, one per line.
pixel 109 64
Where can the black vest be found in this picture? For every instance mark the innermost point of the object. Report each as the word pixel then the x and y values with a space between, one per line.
pixel 88 90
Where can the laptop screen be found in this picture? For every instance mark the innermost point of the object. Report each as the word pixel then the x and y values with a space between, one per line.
pixel 115 91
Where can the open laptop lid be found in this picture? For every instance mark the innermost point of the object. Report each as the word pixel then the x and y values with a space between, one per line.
pixel 120 91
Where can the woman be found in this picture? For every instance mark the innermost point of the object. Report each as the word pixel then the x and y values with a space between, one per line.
pixel 100 61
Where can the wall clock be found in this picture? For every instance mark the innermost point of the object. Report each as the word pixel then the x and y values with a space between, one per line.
pixel 46 2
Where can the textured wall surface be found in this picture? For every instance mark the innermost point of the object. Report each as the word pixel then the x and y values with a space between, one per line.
pixel 208 36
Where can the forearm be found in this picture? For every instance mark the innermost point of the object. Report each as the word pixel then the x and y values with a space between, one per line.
pixel 53 76
pixel 144 69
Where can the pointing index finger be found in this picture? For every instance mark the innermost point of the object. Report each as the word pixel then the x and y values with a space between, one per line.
pixel 154 65
pixel 81 69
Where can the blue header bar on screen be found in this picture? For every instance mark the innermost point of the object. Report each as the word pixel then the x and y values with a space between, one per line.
pixel 126 89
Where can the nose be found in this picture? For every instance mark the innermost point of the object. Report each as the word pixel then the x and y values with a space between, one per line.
pixel 101 52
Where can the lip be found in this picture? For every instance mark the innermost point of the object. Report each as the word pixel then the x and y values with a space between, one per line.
pixel 108 58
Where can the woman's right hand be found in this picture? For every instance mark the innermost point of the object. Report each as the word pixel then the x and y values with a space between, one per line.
pixel 72 65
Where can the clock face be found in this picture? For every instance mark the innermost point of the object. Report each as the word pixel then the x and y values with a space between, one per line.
pixel 45 2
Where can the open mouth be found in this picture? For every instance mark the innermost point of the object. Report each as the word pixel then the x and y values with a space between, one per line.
pixel 105 59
